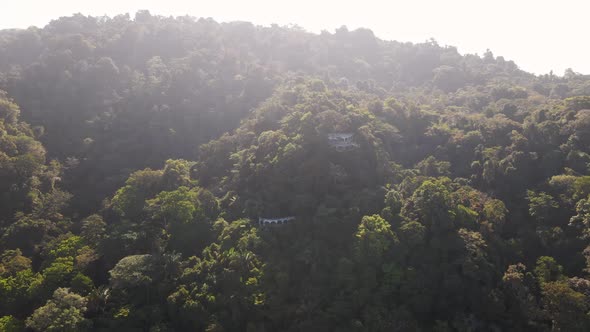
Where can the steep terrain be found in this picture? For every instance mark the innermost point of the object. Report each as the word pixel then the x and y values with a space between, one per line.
pixel 413 188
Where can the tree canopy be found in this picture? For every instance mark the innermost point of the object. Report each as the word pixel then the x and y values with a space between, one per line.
pixel 180 174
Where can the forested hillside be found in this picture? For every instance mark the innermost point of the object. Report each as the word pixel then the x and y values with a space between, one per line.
pixel 180 174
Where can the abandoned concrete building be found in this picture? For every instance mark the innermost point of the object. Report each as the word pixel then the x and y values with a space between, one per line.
pixel 342 141
pixel 274 221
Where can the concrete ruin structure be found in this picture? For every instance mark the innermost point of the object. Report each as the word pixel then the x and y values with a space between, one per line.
pixel 274 221
pixel 342 141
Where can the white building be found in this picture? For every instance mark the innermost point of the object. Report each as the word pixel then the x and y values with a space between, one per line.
pixel 274 221
pixel 342 141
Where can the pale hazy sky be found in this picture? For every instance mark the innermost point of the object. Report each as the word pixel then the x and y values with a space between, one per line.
pixel 539 35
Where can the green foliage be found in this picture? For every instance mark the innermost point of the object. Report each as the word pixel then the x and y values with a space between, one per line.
pixel 224 283
pixel 133 271
pixel 431 205
pixel 374 239
pixel 174 206
pixel 412 233
pixel 11 324
pixel 495 212
pixel 58 274
pixel 13 262
pixel 65 312
pixel 93 229
pixel 548 270
pixel 567 308
pixel 82 284
pixel 129 200
pixel 541 205
pixel 581 220
pixel 68 247
pixel 460 168
pixel 577 103
pixel 431 167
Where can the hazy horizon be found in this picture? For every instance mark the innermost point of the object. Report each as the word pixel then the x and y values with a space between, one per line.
pixel 537 36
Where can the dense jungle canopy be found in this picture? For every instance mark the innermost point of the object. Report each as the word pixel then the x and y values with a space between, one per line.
pixel 139 156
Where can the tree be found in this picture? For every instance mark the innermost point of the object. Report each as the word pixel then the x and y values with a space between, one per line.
pixel 374 239
pixel 93 229
pixel 548 270
pixel 567 308
pixel 10 324
pixel 475 164
pixel 431 205
pixel 65 312
pixel 542 206
pixel 133 271
pixel 581 221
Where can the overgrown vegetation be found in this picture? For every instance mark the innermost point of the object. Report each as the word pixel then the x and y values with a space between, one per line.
pixel 145 150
